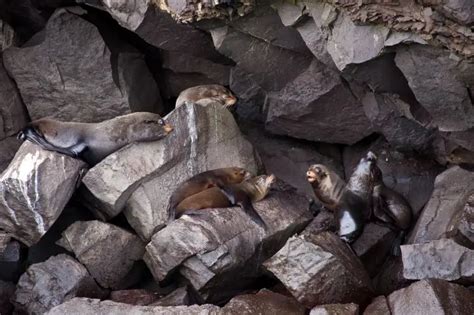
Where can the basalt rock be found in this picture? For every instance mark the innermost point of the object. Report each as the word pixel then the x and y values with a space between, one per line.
pixel 336 309
pixel 8 147
pixel 390 276
pixel 34 189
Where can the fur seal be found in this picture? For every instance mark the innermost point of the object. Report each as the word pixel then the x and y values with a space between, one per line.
pixel 242 194
pixel 94 141
pixel 206 94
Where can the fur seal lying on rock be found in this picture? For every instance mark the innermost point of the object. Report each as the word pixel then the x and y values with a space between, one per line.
pixel 94 141
pixel 206 94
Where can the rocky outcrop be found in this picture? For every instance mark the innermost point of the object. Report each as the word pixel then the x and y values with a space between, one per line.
pixel 336 309
pixel 34 190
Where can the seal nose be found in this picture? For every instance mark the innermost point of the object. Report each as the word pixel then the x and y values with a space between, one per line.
pixel 371 156
pixel 21 136
pixel 168 128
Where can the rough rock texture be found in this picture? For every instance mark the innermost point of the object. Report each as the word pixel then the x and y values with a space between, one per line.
pixel 201 135
pixel 129 14
pixel 7 289
pixel 34 190
pixel 7 36
pixel 96 245
pixel 134 297
pixel 214 248
pixel 336 309
pixel 442 259
pixel 452 189
pixel 320 269
pixel 378 306
pixel 461 227
pixel 432 297
pixel 51 283
pixel 8 147
pixel 180 296
pixel 390 277
pixel 68 86
pixel 12 259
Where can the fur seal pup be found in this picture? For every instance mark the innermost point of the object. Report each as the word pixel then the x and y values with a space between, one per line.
pixel 206 94
pixel 242 194
pixel 94 141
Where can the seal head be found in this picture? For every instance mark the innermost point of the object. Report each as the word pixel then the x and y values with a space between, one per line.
pixel 206 94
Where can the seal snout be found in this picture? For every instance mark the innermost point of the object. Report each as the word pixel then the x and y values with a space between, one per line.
pixel 168 128
pixel 371 157
pixel 230 100
pixel 21 136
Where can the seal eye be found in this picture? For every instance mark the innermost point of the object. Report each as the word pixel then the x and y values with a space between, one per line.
pixel 149 122
pixel 161 122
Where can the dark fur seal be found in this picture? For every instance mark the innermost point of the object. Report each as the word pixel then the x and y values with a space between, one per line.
pixel 205 94
pixel 94 141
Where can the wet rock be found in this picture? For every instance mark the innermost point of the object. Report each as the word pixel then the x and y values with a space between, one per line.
pixel 461 227
pixel 214 248
pixel 129 14
pixel 378 306
pixel 442 259
pixel 320 269
pixel 134 297
pixel 8 148
pixel 443 92
pixel 452 189
pixel 180 296
pixel 317 100
pixel 101 247
pixel 67 86
pixel 336 309
pixel 431 297
pixel 37 184
pixel 7 289
pixel 51 283
pixel 200 138
pixel 324 221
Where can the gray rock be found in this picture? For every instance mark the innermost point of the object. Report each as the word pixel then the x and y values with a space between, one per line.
pixel 390 277
pixel 7 36
pixel 378 306
pixel 12 259
pixel 101 247
pixel 50 283
pixel 83 84
pixel 443 92
pixel 431 297
pixel 336 309
pixel 11 252
pixel 317 100
pixel 452 189
pixel 461 11
pixel 4 240
pixel 37 185
pixel 214 248
pixel 129 14
pixel 461 226
pixel 8 147
pixel 204 138
pixel 290 14
pixel 320 269
pixel 7 289
pixel 134 296
pixel 180 296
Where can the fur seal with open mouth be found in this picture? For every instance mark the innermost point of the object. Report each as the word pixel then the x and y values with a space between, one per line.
pixel 206 94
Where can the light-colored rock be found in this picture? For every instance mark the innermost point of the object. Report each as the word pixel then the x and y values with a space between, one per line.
pixel 129 14
pixel 335 309
pixel 378 306
pixel 461 227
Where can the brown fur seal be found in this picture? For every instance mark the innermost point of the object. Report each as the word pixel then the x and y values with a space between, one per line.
pixel 205 94
pixel 94 141
pixel 242 194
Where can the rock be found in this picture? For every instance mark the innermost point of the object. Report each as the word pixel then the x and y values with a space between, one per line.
pixel 390 277
pixel 67 86
pixel 11 252
pixel 37 185
pixel 324 221
pixel 336 309
pixel 7 289
pixel 51 283
pixel 442 259
pixel 214 248
pixel 461 227
pixel 443 93
pixel 134 297
pixel 431 297
pixel 101 247
pixel 317 100
pixel 290 14
pixel 200 136
pixel 460 10
pixel 320 269
pixel 180 296
pixel 378 306
pixel 7 36
pixel 8 148
pixel 129 14
pixel 12 259
pixel 4 240
pixel 452 189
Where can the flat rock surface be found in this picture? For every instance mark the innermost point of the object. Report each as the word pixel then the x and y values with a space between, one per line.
pixel 335 309
pixel 378 306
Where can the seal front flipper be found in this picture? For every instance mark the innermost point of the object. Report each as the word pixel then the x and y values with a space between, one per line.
pixel 248 208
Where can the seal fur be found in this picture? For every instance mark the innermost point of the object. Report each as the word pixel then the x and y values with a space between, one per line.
pixel 206 94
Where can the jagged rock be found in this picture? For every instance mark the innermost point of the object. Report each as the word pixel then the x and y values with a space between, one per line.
pixel 442 92
pixel 8 148
pixel 431 297
pixel 51 283
pixel 12 259
pixel 378 306
pixel 37 185
pixel 390 277
pixel 11 252
pixel 204 138
pixel 452 189
pixel 180 296
pixel 101 247
pixel 442 259
pixel 214 248
pixel 129 14
pixel 7 36
pixel 336 309
pixel 7 289
pixel 324 221
pixel 317 100
pixel 320 269
pixel 67 86
pixel 290 14
pixel 134 297
pixel 4 240
pixel 461 226
pixel 460 10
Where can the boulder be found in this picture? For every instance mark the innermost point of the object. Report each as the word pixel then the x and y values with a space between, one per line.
pixel 50 283
pixel 129 14
pixel 461 227
pixel 180 296
pixel 378 306
pixel 7 36
pixel 204 138
pixel 100 247
pixel 441 259
pixel 217 246
pixel 431 297
pixel 72 86
pixel 37 185
pixel 134 297
pixel 7 289
pixel 319 101
pixel 390 276
pixel 336 309
pixel 320 269
pixel 12 259
pixel 11 252
pixel 452 189
pixel 8 148
pixel 461 11
pixel 4 241
pixel 324 221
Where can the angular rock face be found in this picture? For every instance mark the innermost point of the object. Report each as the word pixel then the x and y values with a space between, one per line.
pixel 442 259
pixel 68 86
pixel 378 306
pixel 336 309
pixel 461 227
pixel 180 296
pixel 8 148
pixel 48 284
pixel 320 269
pixel 7 289
pixel 101 247
pixel 432 297
pixel 34 190
pixel 204 138
pixel 7 36
pixel 214 248
pixel 134 297
pixel 129 14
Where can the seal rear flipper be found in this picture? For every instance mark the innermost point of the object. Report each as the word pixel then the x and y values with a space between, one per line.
pixel 350 227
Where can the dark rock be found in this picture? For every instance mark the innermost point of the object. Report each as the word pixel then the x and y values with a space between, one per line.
pixel 101 247
pixel 4 240
pixel 320 269
pixel 390 277
pixel 7 36
pixel 180 296
pixel 67 86
pixel 324 221
pixel 317 100
pixel 51 283
pixel 336 309
pixel 378 306
pixel 8 148
pixel 11 252
pixel 7 289
pixel 134 297
pixel 431 297
pixel 460 10
pixel 37 185
pixel 12 259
